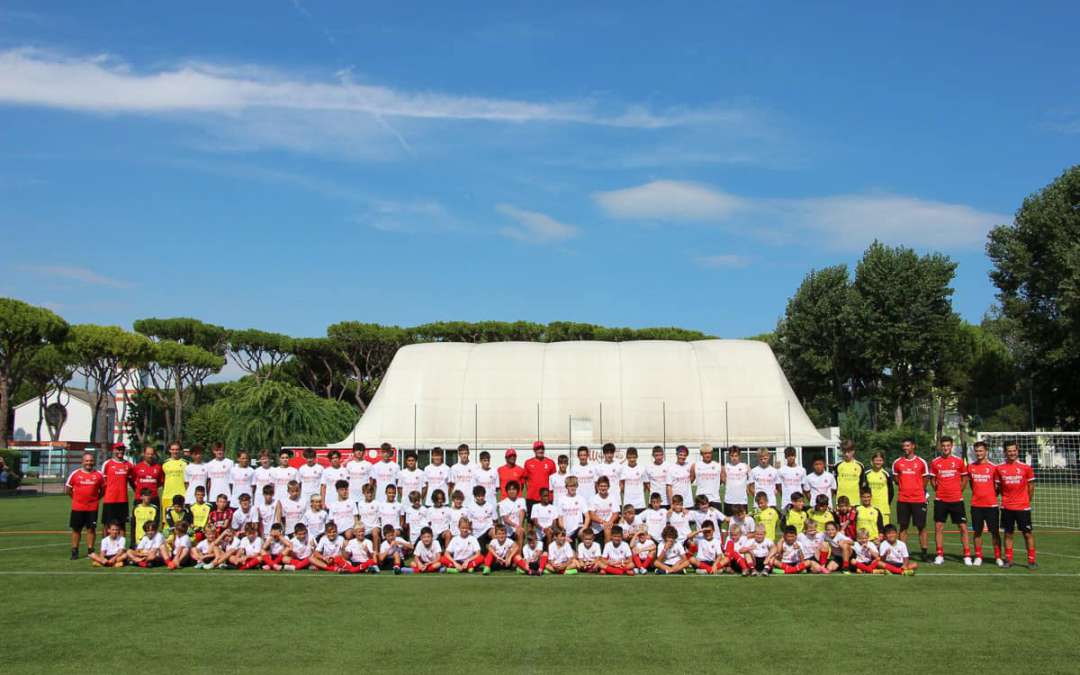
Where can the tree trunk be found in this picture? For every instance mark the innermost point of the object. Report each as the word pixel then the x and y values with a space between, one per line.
pixel 3 409
pixel 941 418
pixel 899 415
pixel 178 409
pixel 42 402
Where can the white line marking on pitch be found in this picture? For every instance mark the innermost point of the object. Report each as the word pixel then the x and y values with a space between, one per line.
pixel 23 548
pixel 1060 555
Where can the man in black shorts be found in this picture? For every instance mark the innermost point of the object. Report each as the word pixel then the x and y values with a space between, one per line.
pixel 984 503
pixel 84 486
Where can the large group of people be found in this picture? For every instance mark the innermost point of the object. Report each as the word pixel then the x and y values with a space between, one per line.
pixel 351 515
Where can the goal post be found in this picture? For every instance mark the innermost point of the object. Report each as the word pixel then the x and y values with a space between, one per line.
pixel 1055 458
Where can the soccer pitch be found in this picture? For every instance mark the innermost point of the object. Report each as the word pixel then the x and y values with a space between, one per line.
pixel 62 615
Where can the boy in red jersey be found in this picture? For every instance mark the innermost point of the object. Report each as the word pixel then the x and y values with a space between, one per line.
pixel 1017 489
pixel 950 477
pixel 911 474
pixel 985 488
pixel 118 473
pixel 84 486
pixel 149 475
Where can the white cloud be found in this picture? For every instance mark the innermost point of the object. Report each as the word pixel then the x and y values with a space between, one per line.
pixel 723 261
pixel 80 274
pixel 845 222
pixel 669 200
pixel 534 227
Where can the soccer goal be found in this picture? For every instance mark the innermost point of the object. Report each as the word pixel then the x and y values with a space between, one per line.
pixel 1055 457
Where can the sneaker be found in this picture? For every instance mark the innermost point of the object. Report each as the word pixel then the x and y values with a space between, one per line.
pixel 939 560
pixel 1033 565
pixel 925 556
pixel 909 573
pixel 967 561
pixel 1004 564
pixel 754 573
pixel 74 554
pixel 407 570
pixel 520 571
pixel 702 571
pixel 397 570
pixel 977 562
pixel 846 572
pixel 198 566
pixel 266 568
pixel 373 570
pixel 289 568
pixel 879 572
pixel 443 570
pixel 999 562
pixel 659 571
pixel 569 572
pixel 487 570
pixel 746 573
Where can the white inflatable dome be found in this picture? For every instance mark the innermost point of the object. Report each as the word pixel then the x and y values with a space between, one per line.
pixel 502 394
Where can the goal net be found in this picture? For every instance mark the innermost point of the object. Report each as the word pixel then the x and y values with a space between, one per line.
pixel 1055 457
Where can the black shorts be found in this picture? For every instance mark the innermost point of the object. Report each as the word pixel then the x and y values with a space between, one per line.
pixel 985 516
pixel 759 564
pixel 908 512
pixel 83 520
pixel 954 510
pixel 1015 520
pixel 838 559
pixel 114 511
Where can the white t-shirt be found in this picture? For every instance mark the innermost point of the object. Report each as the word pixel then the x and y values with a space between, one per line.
pixel 710 514
pixel 369 513
pixel 276 546
pixel 266 513
pixel 810 546
pixel 301 550
pixel 655 521
pixel 181 542
pixel 501 549
pixel 746 524
pixel 611 471
pixel 461 549
pixel 633 485
pixel 836 543
pixel 679 479
pixel 389 514
pixel 330 477
pixel 359 472
pixel 657 475
pixel 241 479
pixel 384 473
pixel 864 553
pixel 758 549
pixel 217 475
pixel 545 515
pixel 894 554
pixel 416 519
pixel 316 521
pixel 328 548
pixel 111 547
pixel 482 516
pixel 436 477
pixel 680 520
pixel 425 555
pixel 560 554
pixel 194 475
pixel 487 479
pixel 439 517
pixel 630 528
pixel 674 553
pixel 644 548
pixel 707 479
pixel 343 514
pixel 359 551
pixel 557 484
pixel 586 480
pixel 572 511
pixel 604 508
pixel 410 481
pixel 260 478
pixel 737 476
pixel 240 518
pixel 764 479
pixel 251 547
pixel 820 484
pixel 203 547
pixel 148 543
pixel 510 511
pixel 461 475
pixel 281 476
pixel 588 554
pixel 291 513
pixel 707 549
pixel 455 519
pixel 389 548
pixel 532 553
pixel 616 554
pixel 790 553
pixel 792 480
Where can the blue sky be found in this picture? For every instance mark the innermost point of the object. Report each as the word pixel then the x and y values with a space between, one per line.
pixel 287 165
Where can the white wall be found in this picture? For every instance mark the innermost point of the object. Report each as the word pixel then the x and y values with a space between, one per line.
pixel 75 429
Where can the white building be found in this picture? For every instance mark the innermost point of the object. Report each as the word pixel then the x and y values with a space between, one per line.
pixel 78 409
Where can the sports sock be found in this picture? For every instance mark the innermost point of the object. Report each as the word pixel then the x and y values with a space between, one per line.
pixel 1008 553
pixel 967 551
pixel 978 550
pixel 997 552
pixel 940 551
pixel 1031 555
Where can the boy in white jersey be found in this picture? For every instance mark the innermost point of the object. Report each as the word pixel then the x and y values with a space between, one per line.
pixel 326 555
pixel 436 477
pixel 244 514
pixel 390 512
pixel 427 553
pixel 179 546
pixel 820 482
pixel 269 511
pixel 789 556
pixel 609 468
pixel 368 513
pixel 416 517
pixel 315 517
pixel 281 475
pixel 734 553
pixel 463 552
pixel 632 481
pixel 410 479
pixel 512 513
pixel 656 476
pixel 545 516
pixel 298 556
pixel 358 556
pixel 680 476
pixel 533 559
pixel 813 547
pixel 703 513
pixel 739 517
pixel 792 478
pixel 342 511
pixel 385 473
pixel 292 509
pixel 461 474
pixel 894 554
pixel 439 516
pixel 457 512
pixel 588 552
pixel 630 523
pixel 671 558
pixel 486 477
pixel 735 477
pixel 679 518
pixel 616 558
pixel 218 471
pixel 603 510
pixel 204 554
pixel 274 549
pixel 501 551
pixel 248 552
pixel 760 553
pixel 561 558
pixel 392 550
pixel 113 551
pixel 482 516
pixel 241 479
pixel 571 510
pixel 865 552
pixel 644 551
pixel 150 550
pixel 194 474
pixel 707 553
pixel 261 477
pixel 764 477
pixel 707 472
pixel 330 477
pixel 655 517
pixel 557 480
pixel 839 545
pixel 585 474
pixel 359 471
pixel 310 476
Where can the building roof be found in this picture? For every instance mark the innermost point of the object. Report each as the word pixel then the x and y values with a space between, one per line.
pixel 87 397
pixel 584 393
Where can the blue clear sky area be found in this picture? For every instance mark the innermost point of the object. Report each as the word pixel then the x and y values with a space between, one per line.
pixel 286 165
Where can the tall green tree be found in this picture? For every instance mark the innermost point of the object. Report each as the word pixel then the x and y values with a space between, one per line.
pixel 902 317
pixel 24 331
pixel 367 348
pixel 1037 272
pixel 259 352
pixel 103 354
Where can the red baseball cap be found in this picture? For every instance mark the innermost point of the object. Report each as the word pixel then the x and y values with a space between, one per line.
pixel 510 452
pixel 118 446
pixel 537 445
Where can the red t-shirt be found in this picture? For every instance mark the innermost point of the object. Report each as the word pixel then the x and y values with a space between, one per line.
pixel 508 473
pixel 149 476
pixel 1014 478
pixel 85 489
pixel 118 475
pixel 948 473
pixel 537 472
pixel 984 484
pixel 909 474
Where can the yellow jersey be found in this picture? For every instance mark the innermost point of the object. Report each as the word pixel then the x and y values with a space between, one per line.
pixel 796 518
pixel 200 515
pixel 822 517
pixel 881 489
pixel 142 515
pixel 848 478
pixel 770 518
pixel 174 480
pixel 868 518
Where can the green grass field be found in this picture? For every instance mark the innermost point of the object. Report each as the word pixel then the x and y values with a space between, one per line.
pixel 62 615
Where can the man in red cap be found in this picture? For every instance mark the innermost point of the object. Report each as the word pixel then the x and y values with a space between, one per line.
pixel 537 473
pixel 119 476
pixel 510 472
